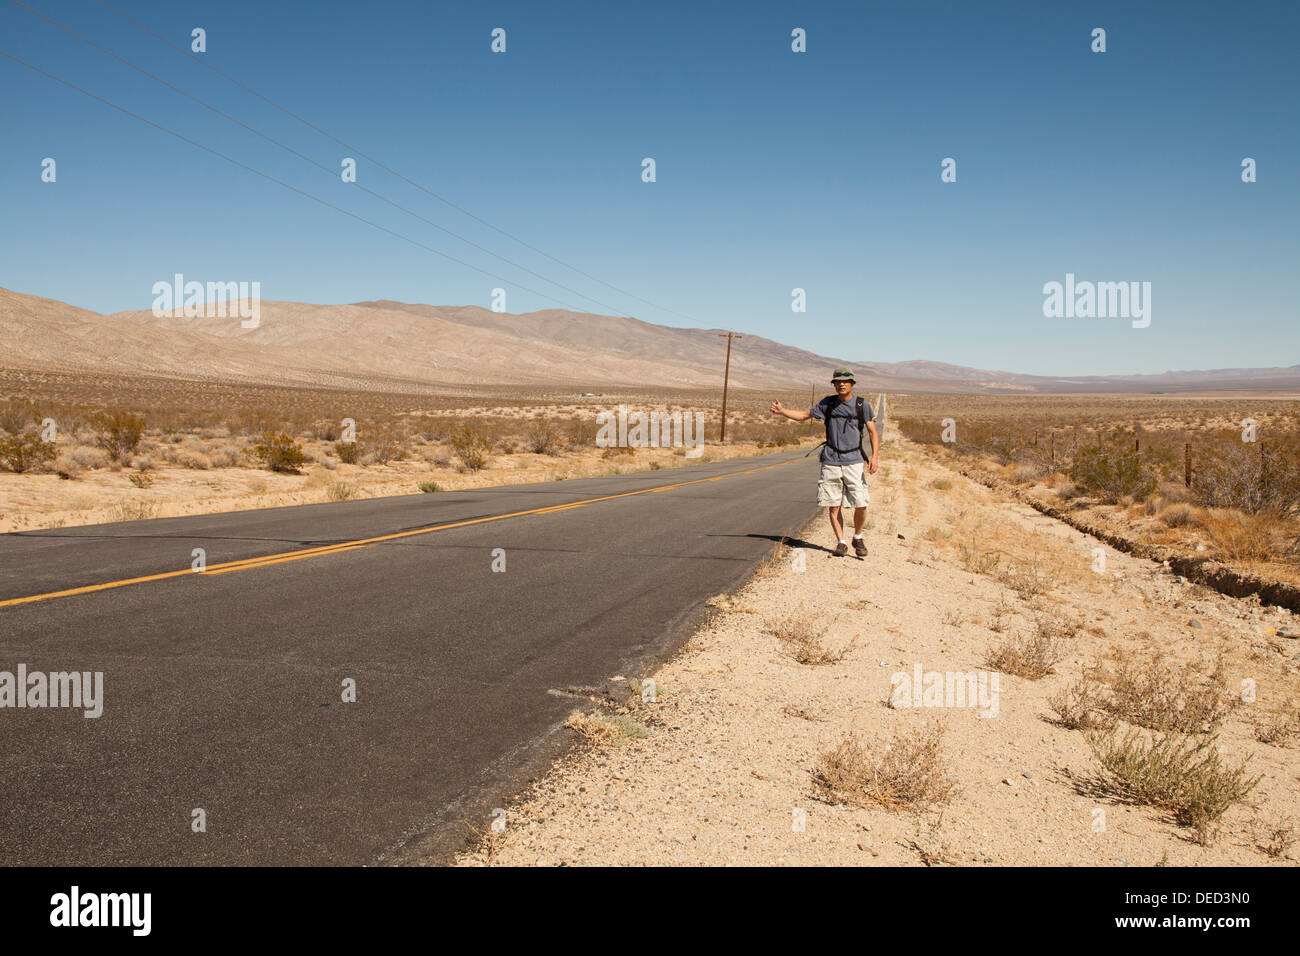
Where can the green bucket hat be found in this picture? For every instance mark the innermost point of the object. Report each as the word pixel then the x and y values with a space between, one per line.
pixel 843 375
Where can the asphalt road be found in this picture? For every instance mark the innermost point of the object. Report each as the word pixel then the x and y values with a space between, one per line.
pixel 223 690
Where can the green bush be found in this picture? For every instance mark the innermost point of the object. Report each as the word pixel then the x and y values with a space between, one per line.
pixel 280 453
pixel 25 452
pixel 118 433
pixel 429 487
pixel 347 452
pixel 1112 473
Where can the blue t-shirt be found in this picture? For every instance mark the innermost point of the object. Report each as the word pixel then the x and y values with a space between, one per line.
pixel 846 436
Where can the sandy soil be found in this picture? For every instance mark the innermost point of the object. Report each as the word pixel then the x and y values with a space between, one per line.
pixel 737 727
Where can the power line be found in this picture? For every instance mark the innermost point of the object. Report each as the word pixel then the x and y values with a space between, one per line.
pixel 280 182
pixel 326 169
pixel 424 189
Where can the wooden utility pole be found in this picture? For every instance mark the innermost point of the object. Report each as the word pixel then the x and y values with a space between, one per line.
pixel 726 380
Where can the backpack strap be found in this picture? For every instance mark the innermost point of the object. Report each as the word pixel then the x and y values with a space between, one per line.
pixel 862 427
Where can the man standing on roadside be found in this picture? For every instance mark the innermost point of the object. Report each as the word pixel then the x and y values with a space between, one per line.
pixel 842 480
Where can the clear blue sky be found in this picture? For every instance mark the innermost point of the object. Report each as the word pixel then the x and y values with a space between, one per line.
pixel 775 170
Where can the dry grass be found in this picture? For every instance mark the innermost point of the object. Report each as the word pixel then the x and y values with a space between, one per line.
pixel 1274 837
pixel 340 491
pixel 907 774
pixel 1161 696
pixel 1081 705
pixel 606 729
pixel 134 511
pixel 802 641
pixel 976 558
pixel 1243 538
pixel 1280 728
pixel 1129 451
pixel 1182 774
pixel 1027 580
pixel 1177 515
pixel 1034 655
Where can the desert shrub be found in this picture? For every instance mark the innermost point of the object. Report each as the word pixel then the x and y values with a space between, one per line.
pixel 348 451
pixel 118 433
pixel 1023 472
pixel 189 458
pixel 134 511
pixel 87 456
pixel 1034 655
pixel 975 559
pixel 543 437
pixel 25 452
pixel 1253 478
pixel 1027 580
pixel 280 453
pixel 802 641
pixel 226 456
pixel 1177 515
pixel 1279 728
pixel 1184 775
pixel 1080 706
pixel 66 466
pixel 325 431
pixel 384 447
pixel 1111 473
pixel 1244 538
pixel 340 491
pixel 472 444
pixel 429 487
pixel 1174 491
pixel 16 415
pixel 603 728
pixel 908 773
pixel 1160 696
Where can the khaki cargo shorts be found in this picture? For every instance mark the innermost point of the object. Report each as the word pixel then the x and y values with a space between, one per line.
pixel 842 484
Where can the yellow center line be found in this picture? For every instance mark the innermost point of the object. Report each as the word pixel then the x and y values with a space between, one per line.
pixel 245 564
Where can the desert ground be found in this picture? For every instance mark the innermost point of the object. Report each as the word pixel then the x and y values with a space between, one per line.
pixel 196 447
pixel 771 739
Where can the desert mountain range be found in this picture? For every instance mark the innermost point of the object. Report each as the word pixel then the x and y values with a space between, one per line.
pixel 402 347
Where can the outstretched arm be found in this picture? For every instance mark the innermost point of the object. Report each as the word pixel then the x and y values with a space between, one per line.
pixel 795 415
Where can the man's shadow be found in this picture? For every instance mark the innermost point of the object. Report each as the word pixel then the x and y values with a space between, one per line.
pixel 779 539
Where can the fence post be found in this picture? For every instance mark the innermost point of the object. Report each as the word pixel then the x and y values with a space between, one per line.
pixel 1187 464
pixel 1263 474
